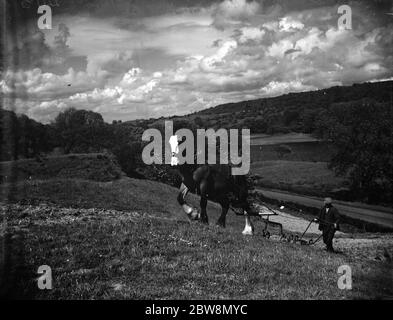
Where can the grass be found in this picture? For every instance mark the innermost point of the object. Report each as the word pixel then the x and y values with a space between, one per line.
pixel 115 251
pixel 96 167
pixel 116 258
pixel 265 139
pixel 298 176
pixel 129 239
pixel 311 151
pixel 124 195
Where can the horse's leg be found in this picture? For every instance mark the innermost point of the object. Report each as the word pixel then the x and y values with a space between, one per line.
pixel 204 218
pixel 183 191
pixel 224 202
pixel 249 227
pixel 192 213
pixel 203 203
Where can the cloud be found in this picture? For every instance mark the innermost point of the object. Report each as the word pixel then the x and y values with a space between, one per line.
pixel 231 12
pixel 289 24
pixel 275 88
pixel 209 64
pixel 27 49
pixel 133 87
pixel 290 51
pixel 62 38
pixel 191 58
pixel 35 85
pixel 238 9
pixel 250 34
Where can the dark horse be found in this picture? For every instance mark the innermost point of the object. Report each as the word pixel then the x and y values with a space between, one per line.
pixel 216 183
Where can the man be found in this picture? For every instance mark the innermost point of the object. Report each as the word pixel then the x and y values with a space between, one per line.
pixel 329 219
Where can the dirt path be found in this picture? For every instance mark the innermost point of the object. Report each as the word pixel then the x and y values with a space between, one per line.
pixel 377 215
pixel 377 247
pixel 292 223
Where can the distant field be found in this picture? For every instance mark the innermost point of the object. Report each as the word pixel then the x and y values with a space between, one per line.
pixel 318 151
pixel 264 139
pixel 300 176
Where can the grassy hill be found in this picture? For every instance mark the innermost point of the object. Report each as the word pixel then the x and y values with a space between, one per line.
pixel 380 91
pixel 128 238
pixel 139 245
pixel 293 112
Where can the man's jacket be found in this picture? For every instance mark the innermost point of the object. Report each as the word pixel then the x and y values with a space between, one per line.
pixel 329 218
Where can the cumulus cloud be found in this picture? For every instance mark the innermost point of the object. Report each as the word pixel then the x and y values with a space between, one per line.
pixel 276 88
pixel 209 64
pixel 250 34
pixel 288 24
pixel 36 85
pixel 194 58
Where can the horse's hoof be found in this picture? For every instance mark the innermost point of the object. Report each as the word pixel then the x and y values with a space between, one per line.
pixel 194 215
pixel 247 233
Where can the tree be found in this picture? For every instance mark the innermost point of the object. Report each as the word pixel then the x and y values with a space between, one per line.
pixel 129 157
pixel 362 133
pixel 290 116
pixel 82 131
pixel 199 122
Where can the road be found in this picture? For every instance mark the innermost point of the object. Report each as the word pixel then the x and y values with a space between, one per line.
pixel 374 214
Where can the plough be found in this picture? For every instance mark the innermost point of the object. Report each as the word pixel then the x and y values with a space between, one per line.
pixel 266 220
pixel 265 217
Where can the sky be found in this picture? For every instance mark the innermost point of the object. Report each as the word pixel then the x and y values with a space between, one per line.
pixel 131 59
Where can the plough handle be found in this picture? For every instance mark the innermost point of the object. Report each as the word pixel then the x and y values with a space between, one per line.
pixel 306 229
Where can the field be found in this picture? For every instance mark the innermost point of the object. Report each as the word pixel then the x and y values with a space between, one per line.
pixel 129 239
pixel 151 252
pixel 299 151
pixel 299 176
pixel 264 139
pixel 296 163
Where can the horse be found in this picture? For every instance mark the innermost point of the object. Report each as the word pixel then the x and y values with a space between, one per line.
pixel 216 183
